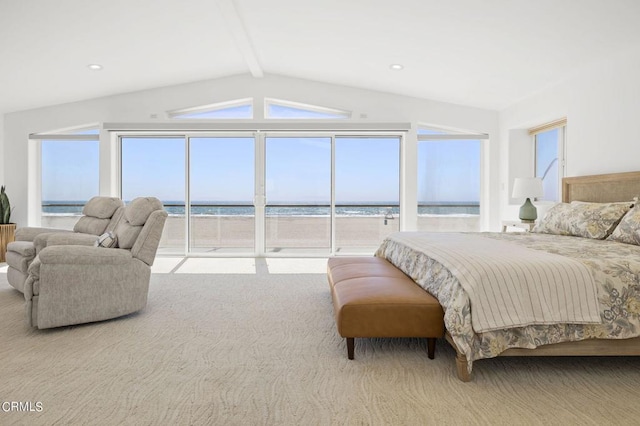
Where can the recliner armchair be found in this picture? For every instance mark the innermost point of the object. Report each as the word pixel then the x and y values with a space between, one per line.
pixel 74 284
pixel 100 214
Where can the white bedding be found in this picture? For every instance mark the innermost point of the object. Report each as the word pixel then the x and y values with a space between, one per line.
pixel 614 266
pixel 509 285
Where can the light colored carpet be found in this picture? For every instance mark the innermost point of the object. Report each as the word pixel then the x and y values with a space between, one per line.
pixel 262 349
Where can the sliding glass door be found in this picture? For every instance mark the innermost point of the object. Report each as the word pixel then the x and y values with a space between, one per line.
pixel 273 194
pixel 367 192
pixel 155 166
pixel 298 195
pixel 449 185
pixel 221 182
pixel 69 179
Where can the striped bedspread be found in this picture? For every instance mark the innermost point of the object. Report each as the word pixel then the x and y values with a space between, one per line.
pixel 510 285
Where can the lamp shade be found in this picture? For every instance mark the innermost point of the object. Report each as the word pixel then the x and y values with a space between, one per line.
pixel 527 188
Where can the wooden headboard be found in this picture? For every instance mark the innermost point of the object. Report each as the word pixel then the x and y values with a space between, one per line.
pixel 601 188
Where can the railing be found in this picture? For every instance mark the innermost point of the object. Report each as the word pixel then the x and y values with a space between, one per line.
pixel 448 205
pixel 73 209
pixel 389 209
pixel 54 204
pixel 363 227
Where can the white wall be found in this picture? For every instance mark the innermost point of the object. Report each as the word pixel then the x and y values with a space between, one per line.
pixel 366 105
pixel 602 106
pixel 2 151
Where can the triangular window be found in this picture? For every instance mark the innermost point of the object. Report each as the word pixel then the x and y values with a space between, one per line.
pixel 280 109
pixel 428 131
pixel 239 108
pixel 86 131
pixel 436 130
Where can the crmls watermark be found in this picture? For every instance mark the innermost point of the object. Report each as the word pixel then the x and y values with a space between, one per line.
pixel 21 406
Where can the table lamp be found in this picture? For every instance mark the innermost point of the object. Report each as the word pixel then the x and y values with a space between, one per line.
pixel 527 188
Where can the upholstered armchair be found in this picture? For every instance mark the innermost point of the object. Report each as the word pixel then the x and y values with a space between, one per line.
pixel 100 214
pixel 74 284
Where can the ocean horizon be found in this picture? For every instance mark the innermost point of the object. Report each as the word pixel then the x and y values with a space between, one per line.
pixel 230 208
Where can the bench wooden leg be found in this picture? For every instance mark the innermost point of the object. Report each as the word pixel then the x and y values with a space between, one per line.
pixel 431 347
pixel 350 345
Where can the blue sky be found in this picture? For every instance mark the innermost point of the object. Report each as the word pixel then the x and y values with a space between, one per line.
pixel 547 163
pixel 240 111
pixel 449 170
pixel 298 169
pixel 69 170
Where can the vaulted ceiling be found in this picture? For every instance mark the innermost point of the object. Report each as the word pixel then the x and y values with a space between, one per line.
pixel 488 53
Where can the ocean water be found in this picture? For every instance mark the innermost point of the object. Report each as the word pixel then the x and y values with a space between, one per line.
pixel 354 209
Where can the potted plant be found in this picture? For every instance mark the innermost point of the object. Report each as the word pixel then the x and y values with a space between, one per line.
pixel 7 229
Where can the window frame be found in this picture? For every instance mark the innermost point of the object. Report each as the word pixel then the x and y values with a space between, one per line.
pixel 287 130
pixel 218 106
pixel 336 114
pixel 34 153
pixel 560 124
pixel 434 133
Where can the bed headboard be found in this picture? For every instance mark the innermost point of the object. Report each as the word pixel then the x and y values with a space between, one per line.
pixel 601 188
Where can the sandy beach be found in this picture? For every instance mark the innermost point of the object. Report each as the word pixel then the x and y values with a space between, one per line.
pixel 224 234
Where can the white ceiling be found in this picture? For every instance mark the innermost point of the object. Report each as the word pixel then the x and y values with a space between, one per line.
pixel 485 53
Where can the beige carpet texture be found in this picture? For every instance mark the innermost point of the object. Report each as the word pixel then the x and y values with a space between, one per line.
pixel 262 349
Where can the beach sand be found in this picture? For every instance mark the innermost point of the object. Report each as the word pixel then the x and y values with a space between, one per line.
pixel 235 234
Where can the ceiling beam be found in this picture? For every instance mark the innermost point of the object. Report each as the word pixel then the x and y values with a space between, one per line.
pixel 239 33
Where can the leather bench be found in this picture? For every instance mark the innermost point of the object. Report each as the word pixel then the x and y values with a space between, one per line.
pixel 373 298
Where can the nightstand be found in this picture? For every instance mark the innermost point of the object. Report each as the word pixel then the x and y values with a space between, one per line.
pixel 522 226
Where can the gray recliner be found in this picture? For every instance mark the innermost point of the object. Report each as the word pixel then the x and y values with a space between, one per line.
pixel 100 214
pixel 74 284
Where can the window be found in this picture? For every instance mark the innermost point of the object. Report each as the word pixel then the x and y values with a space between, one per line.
pixel 293 192
pixel 275 108
pixel 549 147
pixel 70 177
pixel 448 181
pixel 155 166
pixel 432 131
pixel 367 192
pixel 221 191
pixel 237 109
pixel 298 193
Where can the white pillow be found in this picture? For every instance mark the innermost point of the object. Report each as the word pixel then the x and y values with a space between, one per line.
pixel 107 240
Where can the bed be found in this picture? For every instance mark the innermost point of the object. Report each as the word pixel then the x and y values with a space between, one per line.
pixel 594 307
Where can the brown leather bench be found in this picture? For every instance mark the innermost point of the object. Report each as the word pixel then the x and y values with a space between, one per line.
pixel 373 298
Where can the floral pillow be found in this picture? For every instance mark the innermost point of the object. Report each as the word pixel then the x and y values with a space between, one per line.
pixel 628 230
pixel 588 220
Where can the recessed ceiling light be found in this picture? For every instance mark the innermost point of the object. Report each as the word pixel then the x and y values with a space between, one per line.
pixel 396 67
pixel 94 67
